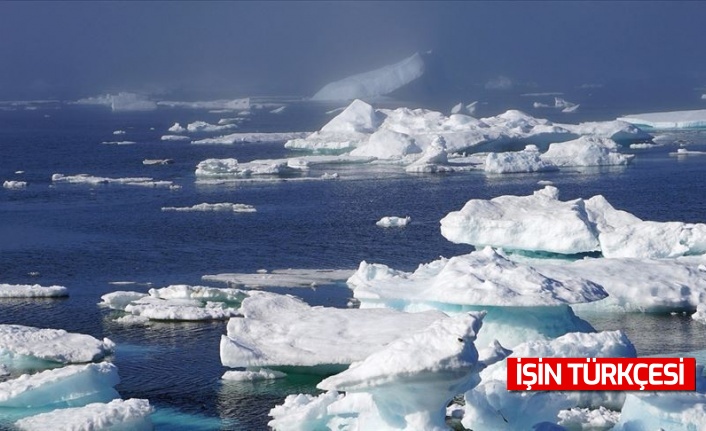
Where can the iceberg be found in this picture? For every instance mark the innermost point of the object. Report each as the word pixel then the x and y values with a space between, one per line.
pixel 283 278
pixel 174 138
pixel 204 127
pixel 153 162
pixel 231 168
pixel 14 185
pixel 672 411
pixel 221 104
pixel 392 221
pixel 69 386
pixel 177 128
pixel 280 330
pixel 93 180
pixel 219 207
pixel 434 159
pixel 695 119
pixel 20 345
pixel 252 375
pixel 117 415
pixel 178 302
pixel 262 137
pixel 490 406
pixel 121 102
pixel 374 83
pixel 586 151
pixel 406 385
pixel 528 160
pixel 32 291
pixel 386 144
pixel 594 419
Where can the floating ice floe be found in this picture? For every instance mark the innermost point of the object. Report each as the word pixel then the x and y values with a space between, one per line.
pixel 235 138
pixel 528 160
pixel 668 120
pixel 673 411
pixel 406 385
pixel 32 291
pixel 600 419
pixel 522 303
pixel 586 151
pixel 280 330
pixel 176 138
pixel 14 185
pixel 700 314
pixel 202 126
pixel 118 143
pixel 93 180
pixel 540 222
pixel 490 406
pixel 283 278
pixel 231 168
pixel 152 162
pixel 121 102
pixel 132 414
pixel 21 345
pixel 565 105
pixel 253 375
pixel 221 104
pixel 69 386
pixel 392 221
pixel 119 132
pixel 178 302
pixel 374 83
pixel 684 152
pixel 219 207
pixel 387 144
pixel 177 128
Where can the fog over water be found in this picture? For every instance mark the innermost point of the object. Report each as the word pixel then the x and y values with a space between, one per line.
pixel 231 49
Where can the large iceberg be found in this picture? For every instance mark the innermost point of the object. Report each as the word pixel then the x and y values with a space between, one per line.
pixel 586 151
pixel 231 168
pixel 280 330
pixel 32 291
pixel 528 160
pixel 695 119
pixel 374 83
pixel 117 415
pixel 405 386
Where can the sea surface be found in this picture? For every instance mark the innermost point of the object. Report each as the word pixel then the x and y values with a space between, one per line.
pixel 90 237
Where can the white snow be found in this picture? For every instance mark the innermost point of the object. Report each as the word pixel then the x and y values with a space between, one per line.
pixel 283 278
pixel 174 138
pixel 14 185
pixel 668 120
pixel 31 291
pixel 55 345
pixel 374 83
pixel 231 168
pixel 528 160
pixel 93 180
pixel 253 375
pixel 279 330
pixel 263 137
pixel 490 406
pixel 72 385
pixel 178 302
pixel 218 207
pixel 132 414
pixel 392 221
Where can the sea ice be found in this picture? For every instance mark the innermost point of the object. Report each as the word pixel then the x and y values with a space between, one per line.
pixel 117 415
pixel 528 160
pixel 253 375
pixel 121 102
pixel 280 330
pixel 175 138
pixel 586 151
pixel 219 207
pixel 387 144
pixel 152 162
pixel 235 138
pixel 32 291
pixel 221 104
pixel 668 120
pixel 93 180
pixel 283 278
pixel 490 406
pixel 673 411
pixel 177 128
pixel 278 110
pixel 392 221
pixel 69 386
pixel 16 185
pixel 700 314
pixel 24 343
pixel 469 109
pixel 600 419
pixel 118 143
pixel 374 83
pixel 231 168
pixel 119 132
pixel 202 126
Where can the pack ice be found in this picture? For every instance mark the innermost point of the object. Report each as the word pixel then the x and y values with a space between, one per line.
pixel 31 291
pixel 116 415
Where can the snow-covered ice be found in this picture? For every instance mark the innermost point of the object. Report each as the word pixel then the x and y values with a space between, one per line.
pixel 673 411
pixel 24 343
pixel 119 132
pixel 280 330
pixel 204 127
pixel 177 128
pixel 31 291
pixel 94 180
pixel 262 137
pixel 69 386
pixel 668 120
pixel 528 160
pixel 392 221
pixel 175 138
pixel 218 207
pixel 121 102
pixel 374 83
pixel 387 144
pixel 600 419
pixel 116 415
pixel 118 143
pixel 221 104
pixel 700 314
pixel 14 185
pixel 253 375
pixel 152 162
pixel 586 151
pixel 231 168
pixel 283 278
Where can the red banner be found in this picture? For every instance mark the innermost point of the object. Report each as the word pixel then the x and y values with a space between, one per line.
pixel 601 374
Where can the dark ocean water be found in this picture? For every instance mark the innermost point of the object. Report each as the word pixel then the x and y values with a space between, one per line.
pixel 85 237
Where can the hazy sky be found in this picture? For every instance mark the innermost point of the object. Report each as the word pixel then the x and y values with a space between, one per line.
pixel 228 49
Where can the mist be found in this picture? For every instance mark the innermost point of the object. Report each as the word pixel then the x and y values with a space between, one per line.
pixel 230 49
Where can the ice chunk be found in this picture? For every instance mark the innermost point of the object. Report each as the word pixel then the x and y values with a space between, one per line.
pixel 700 315
pixel 175 138
pixel 121 102
pixel 93 180
pixel 586 151
pixel 202 126
pixel 118 143
pixel 303 412
pixel 684 152
pixel 227 207
pixel 253 375
pixel 231 168
pixel 600 419
pixel 119 132
pixel 668 120
pixel 120 299
pixel 538 222
pixel 177 128
pixel 19 343
pixel 283 278
pixel 235 138
pixel 374 83
pixel 117 415
pixel 14 184
pixel 151 162
pixel 31 291
pixel 405 385
pixel 386 144
pixel 649 239
pixel 433 159
pixel 490 406
pixel 673 411
pixel 469 109
pixel 221 104
pixel 565 105
pixel 392 221
pixel 280 330
pixel 528 160
pixel 72 385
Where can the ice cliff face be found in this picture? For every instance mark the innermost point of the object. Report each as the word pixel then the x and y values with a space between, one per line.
pixel 374 83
